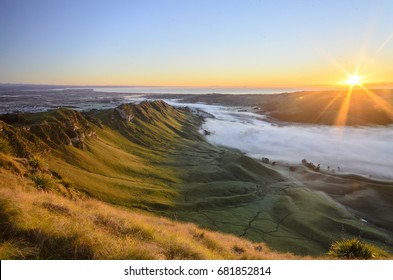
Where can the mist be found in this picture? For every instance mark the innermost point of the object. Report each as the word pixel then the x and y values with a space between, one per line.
pixel 367 151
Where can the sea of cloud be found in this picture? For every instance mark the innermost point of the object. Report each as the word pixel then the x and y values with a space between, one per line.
pixel 363 150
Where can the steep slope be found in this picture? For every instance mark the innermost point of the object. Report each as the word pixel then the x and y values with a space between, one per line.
pixel 99 160
pixel 37 224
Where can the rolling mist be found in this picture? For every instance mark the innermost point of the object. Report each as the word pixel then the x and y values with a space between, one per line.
pixel 367 151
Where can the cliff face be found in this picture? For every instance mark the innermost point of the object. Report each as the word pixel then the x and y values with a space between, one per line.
pixel 42 131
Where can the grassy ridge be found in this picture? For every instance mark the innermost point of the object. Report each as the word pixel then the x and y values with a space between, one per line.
pixel 102 161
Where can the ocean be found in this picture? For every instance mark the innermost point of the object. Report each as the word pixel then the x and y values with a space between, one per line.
pixel 196 90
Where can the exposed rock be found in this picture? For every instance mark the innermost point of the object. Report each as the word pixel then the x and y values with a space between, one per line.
pixel 126 112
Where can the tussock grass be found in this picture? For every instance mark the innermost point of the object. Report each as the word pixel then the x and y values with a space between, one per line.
pixel 17 249
pixel 36 162
pixel 42 181
pixel 67 183
pixel 10 163
pixel 46 225
pixel 5 146
pixel 355 249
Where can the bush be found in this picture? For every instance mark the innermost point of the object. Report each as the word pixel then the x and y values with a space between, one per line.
pixel 43 181
pixel 351 249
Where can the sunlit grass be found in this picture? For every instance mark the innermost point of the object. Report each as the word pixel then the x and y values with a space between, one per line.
pixel 355 249
pixel 45 225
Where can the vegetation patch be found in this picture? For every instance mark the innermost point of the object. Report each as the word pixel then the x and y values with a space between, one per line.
pixel 5 147
pixel 43 181
pixel 355 249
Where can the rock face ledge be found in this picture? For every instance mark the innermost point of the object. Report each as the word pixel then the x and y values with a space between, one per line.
pixel 47 130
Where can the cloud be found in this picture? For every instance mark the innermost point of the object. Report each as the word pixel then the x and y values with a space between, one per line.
pixel 365 150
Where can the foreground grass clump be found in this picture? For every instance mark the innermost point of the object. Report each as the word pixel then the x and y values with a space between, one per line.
pixel 5 147
pixel 42 181
pixel 355 249
pixel 36 162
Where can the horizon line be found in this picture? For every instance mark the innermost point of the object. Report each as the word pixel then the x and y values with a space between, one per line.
pixel 380 85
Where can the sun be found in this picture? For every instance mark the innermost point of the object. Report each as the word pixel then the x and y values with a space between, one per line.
pixel 354 80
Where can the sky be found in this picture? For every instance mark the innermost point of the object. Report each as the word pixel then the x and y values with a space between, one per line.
pixel 224 43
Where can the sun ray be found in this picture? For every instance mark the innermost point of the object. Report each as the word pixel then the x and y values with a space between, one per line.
pixel 324 110
pixel 387 40
pixel 342 115
pixel 388 109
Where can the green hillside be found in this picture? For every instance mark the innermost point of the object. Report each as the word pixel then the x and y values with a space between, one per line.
pixel 80 179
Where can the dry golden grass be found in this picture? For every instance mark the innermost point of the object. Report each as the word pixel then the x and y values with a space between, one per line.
pixel 46 225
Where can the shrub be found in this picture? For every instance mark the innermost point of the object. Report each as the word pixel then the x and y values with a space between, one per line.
pixel 43 181
pixel 351 249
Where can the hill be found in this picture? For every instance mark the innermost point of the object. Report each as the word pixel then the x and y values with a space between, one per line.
pixel 85 182
pixel 357 107
pixel 63 173
pixel 65 224
pixel 354 108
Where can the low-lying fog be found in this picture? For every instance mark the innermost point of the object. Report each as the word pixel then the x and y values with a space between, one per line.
pixel 367 151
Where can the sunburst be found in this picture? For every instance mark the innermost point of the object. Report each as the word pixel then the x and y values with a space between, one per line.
pixel 354 80
pixel 351 97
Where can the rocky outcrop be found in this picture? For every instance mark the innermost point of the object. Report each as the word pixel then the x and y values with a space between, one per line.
pixel 125 112
pixel 49 129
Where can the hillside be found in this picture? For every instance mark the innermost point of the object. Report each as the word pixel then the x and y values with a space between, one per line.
pixel 65 224
pixel 354 108
pixel 81 183
pixel 63 172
